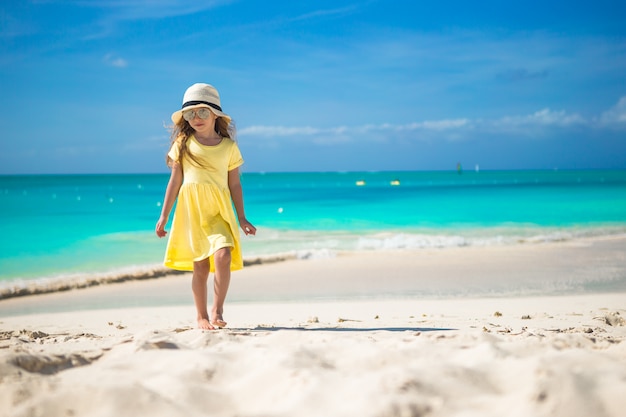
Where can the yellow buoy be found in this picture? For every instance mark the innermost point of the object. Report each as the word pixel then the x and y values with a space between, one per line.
pixel 360 183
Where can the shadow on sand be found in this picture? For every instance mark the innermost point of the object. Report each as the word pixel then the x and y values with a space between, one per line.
pixel 352 329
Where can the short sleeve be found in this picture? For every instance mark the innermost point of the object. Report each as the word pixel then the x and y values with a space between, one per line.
pixel 174 153
pixel 236 160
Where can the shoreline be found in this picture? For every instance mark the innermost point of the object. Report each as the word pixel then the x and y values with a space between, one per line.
pixel 77 281
pixel 371 244
pixel 590 266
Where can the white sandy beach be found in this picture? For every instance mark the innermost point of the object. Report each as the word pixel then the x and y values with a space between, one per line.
pixel 356 347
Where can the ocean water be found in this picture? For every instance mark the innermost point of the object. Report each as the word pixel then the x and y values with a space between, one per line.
pixel 57 227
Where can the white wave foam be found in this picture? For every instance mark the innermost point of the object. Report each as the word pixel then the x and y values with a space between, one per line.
pixel 316 254
pixel 323 244
pixel 498 237
pixel 279 246
pixel 409 241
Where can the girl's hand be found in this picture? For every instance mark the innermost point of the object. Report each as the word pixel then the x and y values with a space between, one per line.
pixel 247 227
pixel 160 228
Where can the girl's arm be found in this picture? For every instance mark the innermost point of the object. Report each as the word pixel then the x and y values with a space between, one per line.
pixel 171 193
pixel 236 193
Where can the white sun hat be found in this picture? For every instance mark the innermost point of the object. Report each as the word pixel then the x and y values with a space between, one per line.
pixel 201 95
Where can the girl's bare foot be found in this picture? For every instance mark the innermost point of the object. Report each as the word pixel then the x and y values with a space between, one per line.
pixel 218 321
pixel 204 324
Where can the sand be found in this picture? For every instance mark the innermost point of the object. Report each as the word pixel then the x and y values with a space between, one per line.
pixel 357 348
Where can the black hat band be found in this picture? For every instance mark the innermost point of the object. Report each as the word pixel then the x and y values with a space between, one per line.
pixel 193 103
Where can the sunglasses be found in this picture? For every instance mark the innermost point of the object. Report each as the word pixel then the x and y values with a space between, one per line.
pixel 202 113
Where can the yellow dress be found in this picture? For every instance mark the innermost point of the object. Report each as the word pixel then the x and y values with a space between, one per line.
pixel 204 219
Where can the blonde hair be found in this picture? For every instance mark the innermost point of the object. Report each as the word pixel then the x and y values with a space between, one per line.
pixel 182 131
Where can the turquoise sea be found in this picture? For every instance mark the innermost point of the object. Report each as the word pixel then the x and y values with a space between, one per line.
pixel 58 227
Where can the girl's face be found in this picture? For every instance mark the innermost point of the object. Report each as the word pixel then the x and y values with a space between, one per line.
pixel 200 125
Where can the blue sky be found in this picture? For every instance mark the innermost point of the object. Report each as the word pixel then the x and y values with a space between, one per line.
pixel 88 86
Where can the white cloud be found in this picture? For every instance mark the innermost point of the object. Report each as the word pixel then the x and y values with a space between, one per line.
pixel 539 123
pixel 147 9
pixel 545 117
pixel 115 61
pixel 274 131
pixel 277 131
pixel 325 13
pixel 616 115
pixel 113 13
pixel 443 124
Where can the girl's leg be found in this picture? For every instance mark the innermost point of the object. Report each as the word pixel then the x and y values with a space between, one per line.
pixel 199 288
pixel 220 286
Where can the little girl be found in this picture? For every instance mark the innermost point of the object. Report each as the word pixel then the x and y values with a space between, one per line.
pixel 204 159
